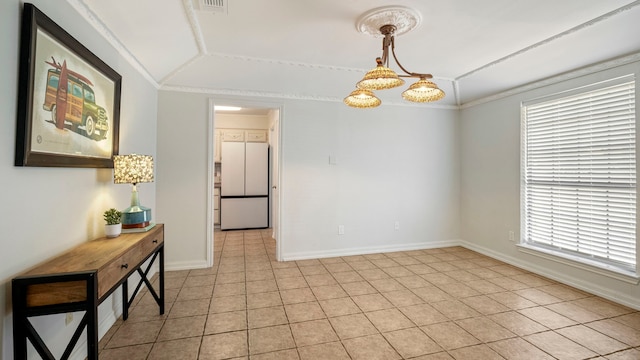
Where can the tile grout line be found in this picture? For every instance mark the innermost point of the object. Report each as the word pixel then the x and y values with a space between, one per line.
pixel 450 267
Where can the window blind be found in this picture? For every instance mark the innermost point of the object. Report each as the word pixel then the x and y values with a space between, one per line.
pixel 579 175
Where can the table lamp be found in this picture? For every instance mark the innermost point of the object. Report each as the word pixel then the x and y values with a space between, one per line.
pixel 134 169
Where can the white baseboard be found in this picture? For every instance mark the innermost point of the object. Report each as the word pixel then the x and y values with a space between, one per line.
pixel 105 322
pixel 185 265
pixel 590 287
pixel 106 319
pixel 616 296
pixel 368 250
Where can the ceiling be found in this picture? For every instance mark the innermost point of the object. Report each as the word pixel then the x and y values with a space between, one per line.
pixel 303 49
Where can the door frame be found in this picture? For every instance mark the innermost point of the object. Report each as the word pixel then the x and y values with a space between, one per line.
pixel 242 102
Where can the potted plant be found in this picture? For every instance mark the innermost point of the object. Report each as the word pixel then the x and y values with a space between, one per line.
pixel 113 228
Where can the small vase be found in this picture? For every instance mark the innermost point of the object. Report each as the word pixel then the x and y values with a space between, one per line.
pixel 113 231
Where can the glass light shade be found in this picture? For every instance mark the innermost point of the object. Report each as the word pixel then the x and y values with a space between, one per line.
pixel 362 98
pixel 380 78
pixel 132 169
pixel 423 91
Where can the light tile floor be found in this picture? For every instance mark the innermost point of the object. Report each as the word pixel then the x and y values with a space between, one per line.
pixel 449 303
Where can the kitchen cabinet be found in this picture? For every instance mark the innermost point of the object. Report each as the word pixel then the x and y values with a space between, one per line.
pixel 256 135
pixel 236 135
pixel 233 135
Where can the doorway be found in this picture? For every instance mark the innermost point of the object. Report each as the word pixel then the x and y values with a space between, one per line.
pixel 249 113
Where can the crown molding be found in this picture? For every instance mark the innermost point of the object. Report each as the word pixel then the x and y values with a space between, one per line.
pixel 283 62
pixel 299 64
pixel 553 38
pixel 180 69
pixel 202 47
pixel 587 70
pixel 456 91
pixel 104 31
pixel 288 96
pixel 531 86
pixel 190 11
pixel 245 93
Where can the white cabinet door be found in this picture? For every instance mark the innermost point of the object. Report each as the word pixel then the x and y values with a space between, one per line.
pixel 244 213
pixel 256 136
pixel 232 168
pixel 233 135
pixel 257 169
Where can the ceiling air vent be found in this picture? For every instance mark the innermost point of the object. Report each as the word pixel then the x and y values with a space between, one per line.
pixel 219 6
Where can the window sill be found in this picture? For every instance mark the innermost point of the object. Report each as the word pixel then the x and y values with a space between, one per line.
pixel 581 263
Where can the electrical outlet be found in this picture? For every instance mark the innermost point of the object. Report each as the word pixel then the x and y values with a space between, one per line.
pixel 511 236
pixel 68 318
pixel 340 229
pixel 396 226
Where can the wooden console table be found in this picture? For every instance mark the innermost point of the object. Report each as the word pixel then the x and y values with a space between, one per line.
pixel 81 279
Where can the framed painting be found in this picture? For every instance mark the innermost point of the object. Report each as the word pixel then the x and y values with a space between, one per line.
pixel 68 99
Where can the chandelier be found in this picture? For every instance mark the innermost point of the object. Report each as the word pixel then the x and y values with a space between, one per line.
pixel 382 76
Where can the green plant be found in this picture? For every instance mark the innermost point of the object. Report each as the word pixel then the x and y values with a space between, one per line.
pixel 112 216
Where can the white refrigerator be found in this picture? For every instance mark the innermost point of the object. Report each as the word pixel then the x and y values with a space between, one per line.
pixel 244 197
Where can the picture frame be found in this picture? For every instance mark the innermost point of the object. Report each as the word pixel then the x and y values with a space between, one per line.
pixel 76 125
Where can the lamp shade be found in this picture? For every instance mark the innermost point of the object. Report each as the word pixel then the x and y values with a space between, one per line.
pixel 423 91
pixel 132 169
pixel 380 78
pixel 361 98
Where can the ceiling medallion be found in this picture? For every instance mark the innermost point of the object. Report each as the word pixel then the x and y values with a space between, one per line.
pixel 405 19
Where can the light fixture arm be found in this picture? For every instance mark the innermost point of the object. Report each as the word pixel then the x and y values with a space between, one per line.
pixel 409 73
pixel 389 41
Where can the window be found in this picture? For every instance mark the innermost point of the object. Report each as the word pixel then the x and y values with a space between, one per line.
pixel 53 81
pixel 88 95
pixel 77 90
pixel 579 174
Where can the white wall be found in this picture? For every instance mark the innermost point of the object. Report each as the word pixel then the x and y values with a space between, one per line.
pixel 45 211
pixel 392 163
pixel 443 175
pixel 181 175
pixel 490 187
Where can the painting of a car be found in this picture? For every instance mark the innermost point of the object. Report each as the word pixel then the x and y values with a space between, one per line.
pixel 74 103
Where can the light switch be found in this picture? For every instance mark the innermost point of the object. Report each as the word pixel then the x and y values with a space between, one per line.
pixel 332 160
